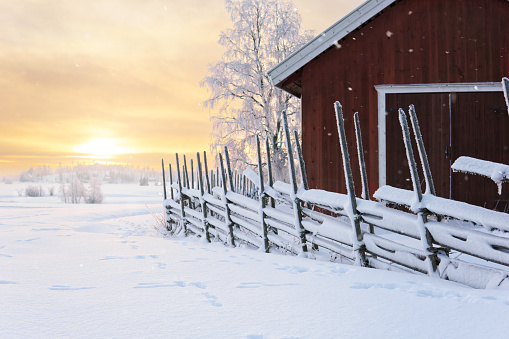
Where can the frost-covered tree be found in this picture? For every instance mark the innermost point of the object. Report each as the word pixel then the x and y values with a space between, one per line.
pixel 243 101
pixel 94 193
pixel 74 192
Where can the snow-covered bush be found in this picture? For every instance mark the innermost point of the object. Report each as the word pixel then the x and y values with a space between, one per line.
pixel 94 194
pixel 34 191
pixel 74 192
pixel 144 181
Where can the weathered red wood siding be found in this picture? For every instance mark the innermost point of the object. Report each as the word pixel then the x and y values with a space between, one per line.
pixel 411 42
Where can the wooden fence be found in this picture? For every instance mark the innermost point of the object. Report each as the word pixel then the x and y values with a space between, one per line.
pixel 427 237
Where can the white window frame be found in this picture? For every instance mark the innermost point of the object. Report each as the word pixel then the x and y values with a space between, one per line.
pixel 417 88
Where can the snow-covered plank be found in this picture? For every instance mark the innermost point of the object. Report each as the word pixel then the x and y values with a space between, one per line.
pixel 388 266
pixel 280 215
pixel 282 187
pixel 396 195
pixel 331 228
pixel 217 191
pixel 395 252
pixel 473 275
pixel 335 201
pixel 481 245
pixel 245 212
pixel 256 229
pixel 195 222
pixel 218 224
pixel 192 193
pixel 281 226
pixel 195 229
pixel 171 203
pixel 242 200
pixel 219 210
pixel 212 200
pixel 191 212
pixel 331 246
pixel 250 174
pixel 283 243
pixel 441 206
pixel 247 238
pixel 271 192
pixel 387 218
pixel 499 173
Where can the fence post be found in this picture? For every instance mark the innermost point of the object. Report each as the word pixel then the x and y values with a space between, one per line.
pixel 228 168
pixel 269 170
pixel 171 182
pixel 262 198
pixel 206 171
pixel 362 163
pixel 358 244
pixel 301 162
pixel 202 201
pixel 227 218
pixel 182 212
pixel 186 173
pixel 295 200
pixel 430 187
pixel 164 179
pixel 425 235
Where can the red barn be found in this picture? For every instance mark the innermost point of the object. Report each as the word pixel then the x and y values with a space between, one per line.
pixel 447 57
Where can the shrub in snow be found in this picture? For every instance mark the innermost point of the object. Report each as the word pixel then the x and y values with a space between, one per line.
pixel 95 194
pixel 74 192
pixel 144 181
pixel 20 191
pixel 34 191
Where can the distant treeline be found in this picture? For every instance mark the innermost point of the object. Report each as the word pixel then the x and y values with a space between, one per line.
pixel 106 173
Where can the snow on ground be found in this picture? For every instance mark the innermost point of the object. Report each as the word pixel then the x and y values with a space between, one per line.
pixel 86 271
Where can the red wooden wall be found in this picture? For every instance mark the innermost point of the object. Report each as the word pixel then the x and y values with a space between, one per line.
pixel 411 42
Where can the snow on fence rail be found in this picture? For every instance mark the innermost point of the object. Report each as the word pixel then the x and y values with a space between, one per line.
pixel 428 238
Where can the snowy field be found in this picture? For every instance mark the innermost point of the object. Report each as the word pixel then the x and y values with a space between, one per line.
pixel 101 271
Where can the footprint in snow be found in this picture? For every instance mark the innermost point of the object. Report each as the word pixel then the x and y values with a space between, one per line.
pixel 111 257
pixel 366 286
pixel 212 299
pixel 6 282
pixel 198 284
pixel 68 288
pixel 250 285
pixel 293 269
pixel 153 285
pixel 160 265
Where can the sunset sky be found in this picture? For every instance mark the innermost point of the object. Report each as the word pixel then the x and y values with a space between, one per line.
pixel 113 80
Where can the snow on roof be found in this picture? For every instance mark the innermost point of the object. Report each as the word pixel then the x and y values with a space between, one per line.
pixel 329 37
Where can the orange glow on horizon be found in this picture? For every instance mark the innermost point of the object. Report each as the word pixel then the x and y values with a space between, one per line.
pixel 113 79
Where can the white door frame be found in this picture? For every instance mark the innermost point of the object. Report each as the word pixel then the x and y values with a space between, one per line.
pixel 417 88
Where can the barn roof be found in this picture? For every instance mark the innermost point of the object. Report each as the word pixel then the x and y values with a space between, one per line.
pixel 323 41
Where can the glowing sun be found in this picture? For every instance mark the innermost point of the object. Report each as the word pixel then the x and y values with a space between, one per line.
pixel 101 148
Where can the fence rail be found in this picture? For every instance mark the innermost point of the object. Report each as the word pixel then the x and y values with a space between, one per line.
pixel 428 237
